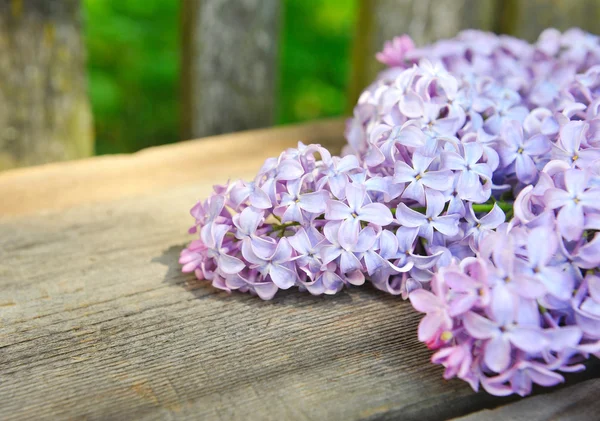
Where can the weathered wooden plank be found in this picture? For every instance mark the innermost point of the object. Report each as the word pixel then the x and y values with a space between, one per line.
pixel 229 65
pixel 98 179
pixel 424 20
pixel 527 19
pixel 44 109
pixel 578 402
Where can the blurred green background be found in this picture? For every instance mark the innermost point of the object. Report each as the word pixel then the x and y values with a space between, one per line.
pixel 133 51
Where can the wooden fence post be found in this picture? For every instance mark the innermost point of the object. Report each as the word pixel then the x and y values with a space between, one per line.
pixel 424 20
pixel 527 18
pixel 229 65
pixel 44 110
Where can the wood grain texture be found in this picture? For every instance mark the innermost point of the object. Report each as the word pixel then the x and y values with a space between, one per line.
pixel 97 322
pixel 229 65
pixel 44 110
pixel 527 19
pixel 424 20
pixel 575 403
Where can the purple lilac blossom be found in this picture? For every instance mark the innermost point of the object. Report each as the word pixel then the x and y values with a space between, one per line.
pixel 450 141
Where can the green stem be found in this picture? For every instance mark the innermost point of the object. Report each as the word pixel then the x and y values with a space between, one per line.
pixel 477 208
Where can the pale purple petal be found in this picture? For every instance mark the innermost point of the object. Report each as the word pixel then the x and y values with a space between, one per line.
pixel 314 202
pixel 497 354
pixel 283 277
pixel 478 326
pixel 376 213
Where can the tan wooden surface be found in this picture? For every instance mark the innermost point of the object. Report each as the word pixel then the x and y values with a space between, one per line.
pixel 98 323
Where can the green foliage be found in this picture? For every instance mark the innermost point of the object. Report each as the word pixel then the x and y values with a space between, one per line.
pixel 315 58
pixel 133 71
pixel 134 59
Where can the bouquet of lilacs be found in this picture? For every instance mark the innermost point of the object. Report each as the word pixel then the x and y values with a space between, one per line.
pixel 470 184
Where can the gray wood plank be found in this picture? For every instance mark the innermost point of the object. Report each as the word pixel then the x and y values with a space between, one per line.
pixel 97 322
pixel 578 402
pixel 229 65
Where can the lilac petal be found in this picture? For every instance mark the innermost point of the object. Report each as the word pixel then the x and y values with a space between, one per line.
pixel 421 162
pixel 468 184
pixel 483 170
pixel 555 198
pixel 411 105
pixel 414 191
pixel 541 246
pixel 429 326
pixel 497 354
pixel 594 287
pixel 459 281
pixel 330 253
pixel 537 145
pixel 473 152
pixel 453 161
pixel 230 265
pixel 300 241
pixel 528 339
pixel 292 213
pixel 337 210
pixel 265 290
pixel 261 247
pixel 424 301
pixel 314 202
pixel 281 276
pixel 348 233
pixel 259 199
pixel 435 203
pixel 571 135
pixel 575 181
pixel 248 220
pixel 461 304
pixel 447 225
pixel 347 163
pixel 438 180
pixel 411 136
pixel 388 245
pixel 409 217
pixel 562 338
pixel 544 377
pixel 502 304
pixel 589 198
pixel 289 170
pixel 525 168
pixel 479 327
pixel 570 221
pixel 349 262
pixel 355 278
pixel 337 184
pixel 283 252
pixel 355 196
pixel 494 218
pixel 513 133
pixel 403 173
pixel 376 213
pixel 366 240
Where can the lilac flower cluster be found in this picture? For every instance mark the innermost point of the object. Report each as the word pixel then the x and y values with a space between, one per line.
pixel 308 220
pixel 527 305
pixel 449 143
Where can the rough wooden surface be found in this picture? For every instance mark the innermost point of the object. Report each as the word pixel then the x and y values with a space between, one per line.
pixel 424 20
pixel 578 402
pixel 229 65
pixel 44 110
pixel 98 323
